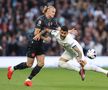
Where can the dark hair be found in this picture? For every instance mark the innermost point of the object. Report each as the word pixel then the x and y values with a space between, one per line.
pixel 64 28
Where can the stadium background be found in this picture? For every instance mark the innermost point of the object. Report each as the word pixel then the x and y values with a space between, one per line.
pixel 89 17
pixel 17 17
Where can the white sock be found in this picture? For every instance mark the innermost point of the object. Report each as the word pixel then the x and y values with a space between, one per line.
pixel 28 79
pixel 68 66
pixel 12 68
pixel 96 68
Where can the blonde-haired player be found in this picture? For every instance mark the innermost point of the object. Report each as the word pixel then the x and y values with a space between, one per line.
pixel 36 45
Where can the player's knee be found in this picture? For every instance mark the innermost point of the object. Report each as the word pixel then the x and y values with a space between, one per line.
pixel 93 67
pixel 29 65
pixel 61 63
pixel 41 64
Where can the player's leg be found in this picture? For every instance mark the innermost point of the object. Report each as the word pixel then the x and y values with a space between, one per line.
pixel 20 66
pixel 63 61
pixel 30 59
pixel 80 60
pixel 36 69
pixel 24 65
pixel 80 54
pixel 96 68
pixel 64 64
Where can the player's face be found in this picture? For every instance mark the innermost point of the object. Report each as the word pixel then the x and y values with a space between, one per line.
pixel 63 34
pixel 51 12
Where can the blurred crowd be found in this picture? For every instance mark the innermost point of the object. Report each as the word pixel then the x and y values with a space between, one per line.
pixel 89 17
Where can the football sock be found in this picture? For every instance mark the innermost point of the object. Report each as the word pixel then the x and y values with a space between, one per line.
pixel 20 66
pixel 35 71
pixel 96 68
pixel 68 66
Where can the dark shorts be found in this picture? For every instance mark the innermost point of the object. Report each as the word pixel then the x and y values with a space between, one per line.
pixel 34 49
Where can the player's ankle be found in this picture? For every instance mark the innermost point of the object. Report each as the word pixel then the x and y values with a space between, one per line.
pixel 12 68
pixel 27 79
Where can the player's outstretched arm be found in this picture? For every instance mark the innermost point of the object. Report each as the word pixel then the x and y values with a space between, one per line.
pixel 38 33
pixel 79 57
pixel 73 31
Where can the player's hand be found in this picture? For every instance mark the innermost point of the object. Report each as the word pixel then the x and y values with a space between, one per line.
pixel 47 39
pixel 47 29
pixel 82 63
pixel 37 37
pixel 73 31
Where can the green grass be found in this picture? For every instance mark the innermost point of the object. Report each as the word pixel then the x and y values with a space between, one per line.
pixel 54 79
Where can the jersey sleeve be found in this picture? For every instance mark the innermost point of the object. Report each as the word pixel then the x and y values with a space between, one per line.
pixel 39 23
pixel 72 40
pixel 73 45
pixel 73 36
pixel 55 24
pixel 54 33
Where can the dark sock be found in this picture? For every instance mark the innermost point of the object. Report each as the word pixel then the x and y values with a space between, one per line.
pixel 20 66
pixel 35 71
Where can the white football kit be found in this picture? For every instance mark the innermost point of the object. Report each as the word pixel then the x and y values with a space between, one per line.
pixel 69 54
pixel 68 43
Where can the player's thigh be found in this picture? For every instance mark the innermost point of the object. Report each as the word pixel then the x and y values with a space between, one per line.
pixel 30 61
pixel 31 50
pixel 40 59
pixel 66 56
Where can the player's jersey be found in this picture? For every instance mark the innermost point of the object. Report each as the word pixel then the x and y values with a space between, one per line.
pixel 68 43
pixel 42 22
pixel 37 47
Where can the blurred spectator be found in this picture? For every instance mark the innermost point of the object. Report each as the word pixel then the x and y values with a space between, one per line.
pixel 89 17
pixel 98 47
pixel 12 48
pixel 1 51
pixel 87 40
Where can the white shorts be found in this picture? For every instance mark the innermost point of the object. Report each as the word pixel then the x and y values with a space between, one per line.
pixel 68 56
pixel 71 55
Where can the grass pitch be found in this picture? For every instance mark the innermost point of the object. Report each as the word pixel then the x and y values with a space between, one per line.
pixel 54 79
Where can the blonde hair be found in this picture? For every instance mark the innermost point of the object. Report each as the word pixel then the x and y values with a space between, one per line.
pixel 46 8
